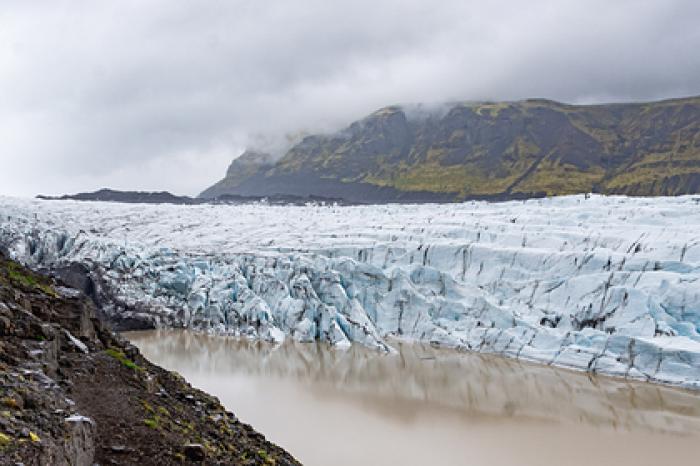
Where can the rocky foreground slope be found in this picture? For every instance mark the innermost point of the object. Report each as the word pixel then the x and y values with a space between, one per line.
pixel 604 284
pixel 74 393
pixel 502 150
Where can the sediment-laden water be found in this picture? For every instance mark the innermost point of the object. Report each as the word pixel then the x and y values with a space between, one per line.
pixel 432 406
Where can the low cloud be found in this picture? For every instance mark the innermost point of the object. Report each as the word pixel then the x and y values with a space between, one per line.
pixel 163 94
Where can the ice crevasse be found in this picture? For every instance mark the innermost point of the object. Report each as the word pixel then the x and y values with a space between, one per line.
pixel 605 284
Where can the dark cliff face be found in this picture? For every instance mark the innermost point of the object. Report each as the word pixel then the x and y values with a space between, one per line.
pixel 493 151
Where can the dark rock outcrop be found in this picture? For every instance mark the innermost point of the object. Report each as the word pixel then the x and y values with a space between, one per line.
pixel 131 197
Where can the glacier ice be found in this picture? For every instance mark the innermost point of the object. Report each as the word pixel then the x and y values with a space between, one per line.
pixel 605 284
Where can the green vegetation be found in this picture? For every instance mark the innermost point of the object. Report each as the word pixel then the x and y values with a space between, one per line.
pixel 147 406
pixel 151 423
pixel 265 457
pixel 554 178
pixel 5 441
pixel 25 279
pixel 491 110
pixel 501 149
pixel 121 357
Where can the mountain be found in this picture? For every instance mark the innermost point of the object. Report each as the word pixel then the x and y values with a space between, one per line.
pixel 129 197
pixel 164 197
pixel 242 168
pixel 489 151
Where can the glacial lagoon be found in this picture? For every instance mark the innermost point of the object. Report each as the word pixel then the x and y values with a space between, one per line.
pixel 423 405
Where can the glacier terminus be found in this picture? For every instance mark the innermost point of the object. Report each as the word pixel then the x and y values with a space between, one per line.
pixel 607 284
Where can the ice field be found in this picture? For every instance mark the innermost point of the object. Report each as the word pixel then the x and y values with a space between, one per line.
pixel 605 284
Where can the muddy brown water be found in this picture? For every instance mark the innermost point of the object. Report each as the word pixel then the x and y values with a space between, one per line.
pixel 426 406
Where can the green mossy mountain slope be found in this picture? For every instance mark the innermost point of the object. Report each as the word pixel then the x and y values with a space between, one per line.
pixel 491 151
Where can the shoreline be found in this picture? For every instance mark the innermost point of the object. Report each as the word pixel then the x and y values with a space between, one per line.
pixel 434 400
pixel 394 342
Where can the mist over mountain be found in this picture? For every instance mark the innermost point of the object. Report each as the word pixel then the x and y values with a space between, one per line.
pixel 487 150
pixel 244 167
pixel 166 97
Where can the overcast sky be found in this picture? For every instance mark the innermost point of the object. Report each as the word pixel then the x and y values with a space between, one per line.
pixel 162 94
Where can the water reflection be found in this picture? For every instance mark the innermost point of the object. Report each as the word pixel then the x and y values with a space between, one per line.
pixel 473 388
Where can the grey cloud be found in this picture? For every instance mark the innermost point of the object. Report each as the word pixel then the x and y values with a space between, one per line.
pixel 162 94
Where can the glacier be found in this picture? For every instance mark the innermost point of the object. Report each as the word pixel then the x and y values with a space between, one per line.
pixel 607 284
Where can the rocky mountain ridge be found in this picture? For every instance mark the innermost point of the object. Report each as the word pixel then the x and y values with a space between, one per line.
pixel 129 197
pixel 496 151
pixel 164 197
